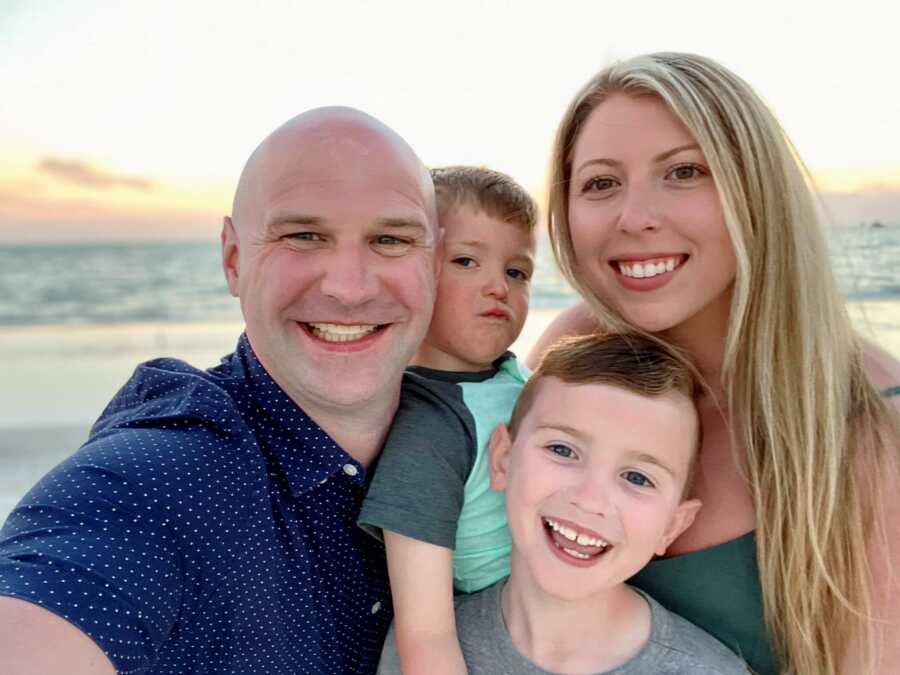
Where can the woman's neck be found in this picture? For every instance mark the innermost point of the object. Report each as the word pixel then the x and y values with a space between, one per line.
pixel 703 337
pixel 592 634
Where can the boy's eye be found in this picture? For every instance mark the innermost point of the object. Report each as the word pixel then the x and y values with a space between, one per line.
pixel 637 478
pixel 518 274
pixel 561 450
pixel 464 261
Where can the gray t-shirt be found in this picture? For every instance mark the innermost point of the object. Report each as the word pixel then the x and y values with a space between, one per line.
pixel 675 647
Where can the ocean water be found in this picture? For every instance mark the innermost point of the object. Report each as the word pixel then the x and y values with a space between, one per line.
pixel 183 282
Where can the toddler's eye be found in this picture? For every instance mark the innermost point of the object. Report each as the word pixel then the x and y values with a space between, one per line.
pixel 561 450
pixel 464 261
pixel 637 478
pixel 514 273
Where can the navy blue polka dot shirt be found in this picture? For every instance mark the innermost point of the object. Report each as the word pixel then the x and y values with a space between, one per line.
pixel 208 525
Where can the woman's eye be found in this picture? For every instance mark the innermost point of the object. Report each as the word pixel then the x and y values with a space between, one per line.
pixel 599 184
pixel 686 172
pixel 463 261
pixel 637 478
pixel 561 450
pixel 514 273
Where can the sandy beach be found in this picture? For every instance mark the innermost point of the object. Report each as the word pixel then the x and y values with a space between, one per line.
pixel 56 380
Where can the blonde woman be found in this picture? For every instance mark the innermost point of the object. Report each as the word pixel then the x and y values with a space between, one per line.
pixel 678 207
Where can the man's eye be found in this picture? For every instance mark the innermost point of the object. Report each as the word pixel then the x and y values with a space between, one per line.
pixel 388 244
pixel 561 450
pixel 518 274
pixel 304 236
pixel 637 478
pixel 464 261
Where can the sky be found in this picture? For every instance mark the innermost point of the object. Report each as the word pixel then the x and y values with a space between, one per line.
pixel 132 121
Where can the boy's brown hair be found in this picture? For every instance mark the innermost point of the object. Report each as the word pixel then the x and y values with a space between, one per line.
pixel 637 363
pixel 483 189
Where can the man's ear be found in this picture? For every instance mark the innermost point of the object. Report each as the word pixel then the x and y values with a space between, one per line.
pixel 681 520
pixel 230 255
pixel 500 444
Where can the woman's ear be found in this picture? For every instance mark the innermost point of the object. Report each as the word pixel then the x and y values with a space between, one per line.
pixel 500 445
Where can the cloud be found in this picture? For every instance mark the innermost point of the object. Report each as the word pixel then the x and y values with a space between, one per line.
pixel 84 175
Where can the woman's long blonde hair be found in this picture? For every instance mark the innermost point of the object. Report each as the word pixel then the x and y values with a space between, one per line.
pixel 807 415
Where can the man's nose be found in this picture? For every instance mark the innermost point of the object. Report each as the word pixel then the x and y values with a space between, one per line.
pixel 349 275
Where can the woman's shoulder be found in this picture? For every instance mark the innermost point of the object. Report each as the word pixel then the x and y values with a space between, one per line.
pixel 576 320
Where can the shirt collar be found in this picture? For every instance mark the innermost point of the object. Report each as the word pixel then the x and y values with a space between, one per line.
pixel 306 454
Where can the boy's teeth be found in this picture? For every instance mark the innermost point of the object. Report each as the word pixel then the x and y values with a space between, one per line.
pixel 336 332
pixel 649 268
pixel 572 535
pixel 576 554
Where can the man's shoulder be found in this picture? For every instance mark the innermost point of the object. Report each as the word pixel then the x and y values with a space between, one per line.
pixel 166 390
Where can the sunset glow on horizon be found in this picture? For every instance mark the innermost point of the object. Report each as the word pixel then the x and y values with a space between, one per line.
pixel 132 122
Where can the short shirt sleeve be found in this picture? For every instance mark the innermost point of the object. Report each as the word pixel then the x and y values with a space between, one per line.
pixel 88 544
pixel 418 486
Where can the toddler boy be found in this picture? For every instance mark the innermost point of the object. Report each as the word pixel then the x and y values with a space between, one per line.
pixel 444 527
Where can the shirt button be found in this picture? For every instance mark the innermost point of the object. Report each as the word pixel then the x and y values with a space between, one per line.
pixel 376 607
pixel 350 470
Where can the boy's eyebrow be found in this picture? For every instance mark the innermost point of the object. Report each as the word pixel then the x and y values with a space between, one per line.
pixel 565 428
pixel 661 157
pixel 652 459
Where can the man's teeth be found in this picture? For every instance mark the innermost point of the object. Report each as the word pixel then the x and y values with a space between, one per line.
pixel 648 268
pixel 337 332
pixel 578 537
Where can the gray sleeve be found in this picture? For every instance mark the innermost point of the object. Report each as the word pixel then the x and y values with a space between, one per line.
pixel 417 489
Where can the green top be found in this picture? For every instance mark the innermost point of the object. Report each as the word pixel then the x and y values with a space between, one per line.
pixel 718 590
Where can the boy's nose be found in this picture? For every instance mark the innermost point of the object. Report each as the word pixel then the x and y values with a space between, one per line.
pixel 497 285
pixel 591 496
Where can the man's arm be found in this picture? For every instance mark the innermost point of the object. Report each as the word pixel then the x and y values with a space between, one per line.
pixel 36 641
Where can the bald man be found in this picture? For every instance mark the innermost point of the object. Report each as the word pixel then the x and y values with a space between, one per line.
pixel 209 524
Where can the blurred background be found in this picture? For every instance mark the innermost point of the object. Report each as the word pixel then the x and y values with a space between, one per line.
pixel 124 127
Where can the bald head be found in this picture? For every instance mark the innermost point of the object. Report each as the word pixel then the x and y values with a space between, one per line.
pixel 323 144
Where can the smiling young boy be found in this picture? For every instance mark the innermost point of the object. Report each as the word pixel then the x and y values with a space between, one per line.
pixel 444 528
pixel 595 465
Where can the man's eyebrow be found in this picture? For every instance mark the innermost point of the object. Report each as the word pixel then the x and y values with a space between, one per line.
pixel 401 223
pixel 282 219
pixel 652 459
pixel 606 161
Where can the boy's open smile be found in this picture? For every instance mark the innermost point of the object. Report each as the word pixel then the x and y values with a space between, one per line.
pixel 573 544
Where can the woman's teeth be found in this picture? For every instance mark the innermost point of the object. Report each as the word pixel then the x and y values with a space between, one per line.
pixel 649 268
pixel 336 332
